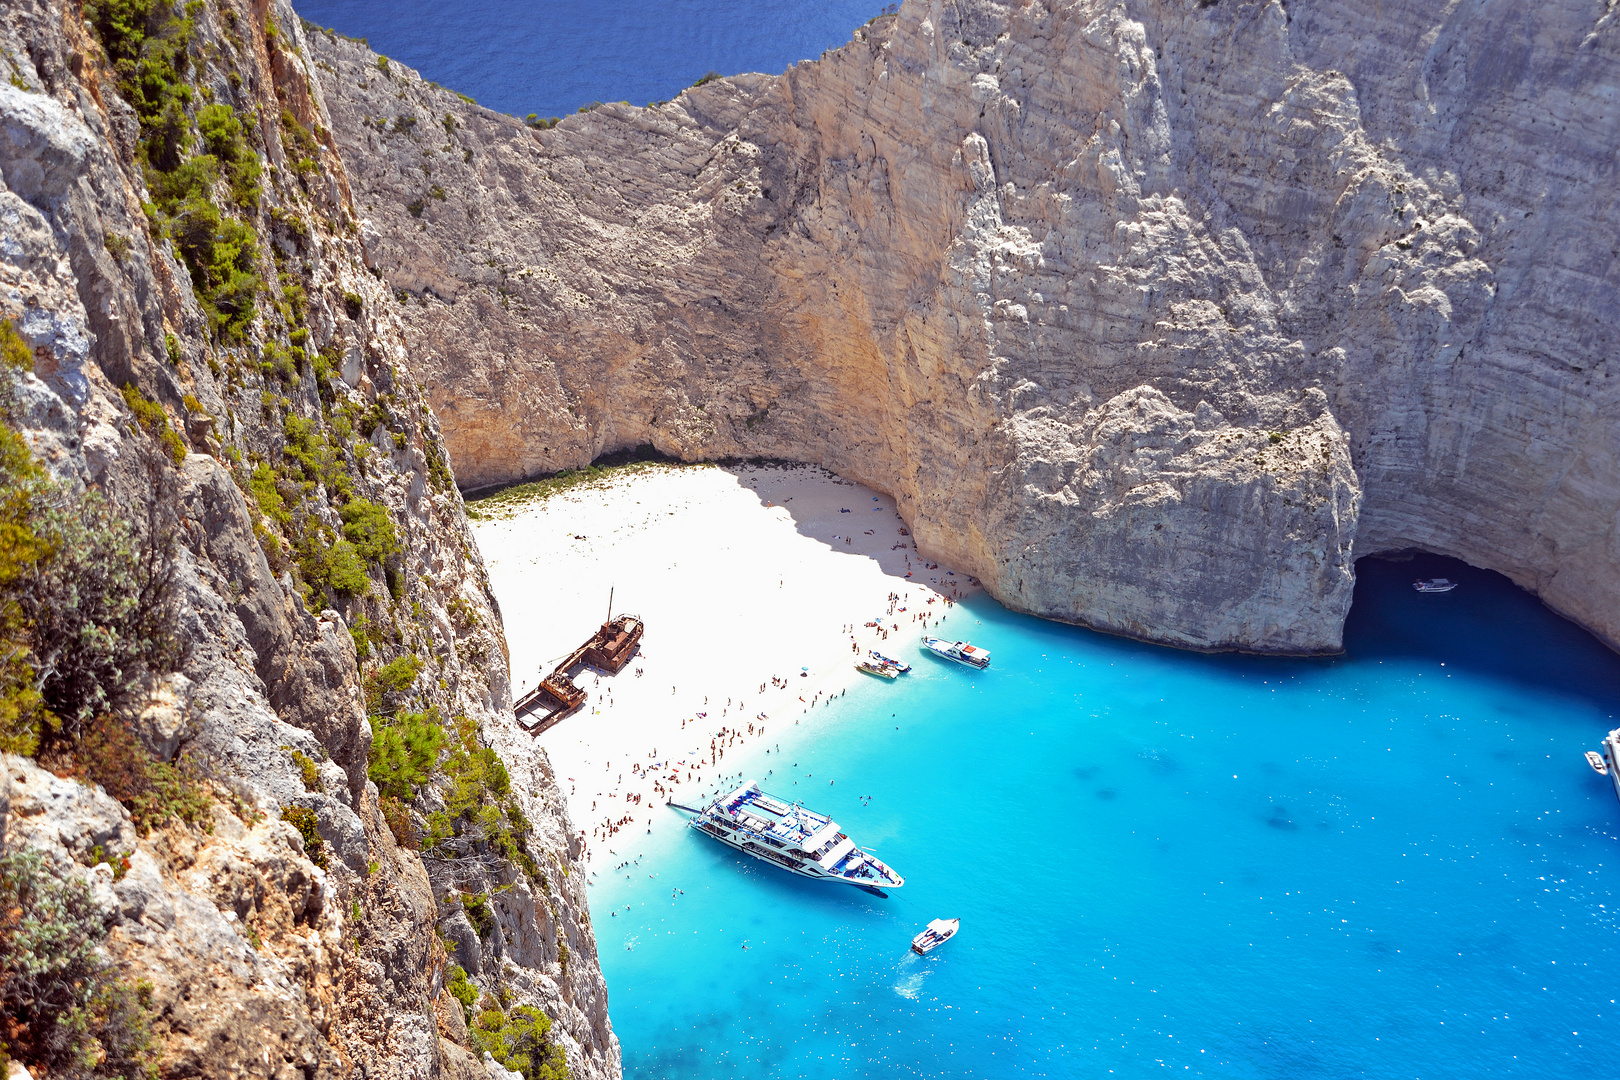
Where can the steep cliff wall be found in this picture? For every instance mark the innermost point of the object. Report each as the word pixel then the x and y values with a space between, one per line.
pixel 1152 313
pixel 178 251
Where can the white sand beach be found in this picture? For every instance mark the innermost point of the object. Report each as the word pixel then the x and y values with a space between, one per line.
pixel 747 577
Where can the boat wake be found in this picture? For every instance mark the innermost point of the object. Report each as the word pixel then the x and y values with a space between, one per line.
pixel 911 981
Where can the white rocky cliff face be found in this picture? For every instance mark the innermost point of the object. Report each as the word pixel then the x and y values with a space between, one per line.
pixel 326 586
pixel 1154 314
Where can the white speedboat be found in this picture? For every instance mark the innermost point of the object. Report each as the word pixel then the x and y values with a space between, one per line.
pixel 888 661
pixel 872 667
pixel 959 651
pixel 1434 584
pixel 787 835
pixel 1599 766
pixel 934 935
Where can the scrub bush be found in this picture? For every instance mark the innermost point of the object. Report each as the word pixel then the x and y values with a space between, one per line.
pixel 481 820
pixel 461 988
pixel 304 820
pixel 91 594
pixel 518 1041
pixel 308 771
pixel 155 792
pixel 151 417
pixel 404 750
pixel 369 527
pixel 476 905
pixel 63 1010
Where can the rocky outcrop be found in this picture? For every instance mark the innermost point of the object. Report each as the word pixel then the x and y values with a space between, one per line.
pixel 270 950
pixel 1153 314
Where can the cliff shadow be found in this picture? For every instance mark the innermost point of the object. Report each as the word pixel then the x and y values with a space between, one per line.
pixel 849 518
pixel 1487 625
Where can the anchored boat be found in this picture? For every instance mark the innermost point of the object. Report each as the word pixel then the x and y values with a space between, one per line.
pixel 789 836
pixel 1434 584
pixel 1608 762
pixel 882 671
pixel 937 933
pixel 888 661
pixel 959 651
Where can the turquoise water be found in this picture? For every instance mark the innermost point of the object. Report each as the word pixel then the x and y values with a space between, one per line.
pixel 551 58
pixel 1390 864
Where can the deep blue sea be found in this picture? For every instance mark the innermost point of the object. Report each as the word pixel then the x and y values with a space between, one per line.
pixel 551 58
pixel 1394 863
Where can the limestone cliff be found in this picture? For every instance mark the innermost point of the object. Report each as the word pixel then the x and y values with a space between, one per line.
pixel 179 251
pixel 1153 314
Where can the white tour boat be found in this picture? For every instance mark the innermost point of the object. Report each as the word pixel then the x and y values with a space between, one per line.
pixel 937 933
pixel 789 836
pixel 888 661
pixel 1434 584
pixel 872 667
pixel 959 651
pixel 1608 762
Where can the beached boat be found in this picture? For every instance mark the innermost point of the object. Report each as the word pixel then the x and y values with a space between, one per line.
pixel 1435 584
pixel 787 835
pixel 959 651
pixel 888 661
pixel 882 671
pixel 937 933
pixel 1610 759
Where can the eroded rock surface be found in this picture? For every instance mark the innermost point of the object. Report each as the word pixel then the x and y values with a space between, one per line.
pixel 261 960
pixel 1153 314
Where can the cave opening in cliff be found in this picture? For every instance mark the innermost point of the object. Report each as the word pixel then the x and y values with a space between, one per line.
pixel 1487 624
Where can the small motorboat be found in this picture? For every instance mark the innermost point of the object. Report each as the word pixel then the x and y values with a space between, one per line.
pixel 888 661
pixel 882 671
pixel 934 935
pixel 1434 584
pixel 1599 766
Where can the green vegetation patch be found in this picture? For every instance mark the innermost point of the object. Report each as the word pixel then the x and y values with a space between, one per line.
pixel 150 50
pixel 481 816
pixel 86 608
pixel 308 771
pixel 518 1040
pixel 370 528
pixel 66 1013
pixel 151 417
pixel 404 750
pixel 509 501
pixel 14 351
pixel 304 820
pixel 461 988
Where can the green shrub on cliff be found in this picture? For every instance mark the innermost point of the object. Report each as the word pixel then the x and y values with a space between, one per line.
pixel 461 988
pixel 371 530
pixel 404 750
pixel 150 50
pixel 66 1013
pixel 304 820
pixel 21 550
pixel 222 134
pixel 480 816
pixel 518 1041
pixel 85 599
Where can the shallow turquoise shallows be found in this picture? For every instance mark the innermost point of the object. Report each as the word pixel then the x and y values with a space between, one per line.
pixel 1390 864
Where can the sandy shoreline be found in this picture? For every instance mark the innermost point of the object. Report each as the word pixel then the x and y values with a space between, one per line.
pixel 756 584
